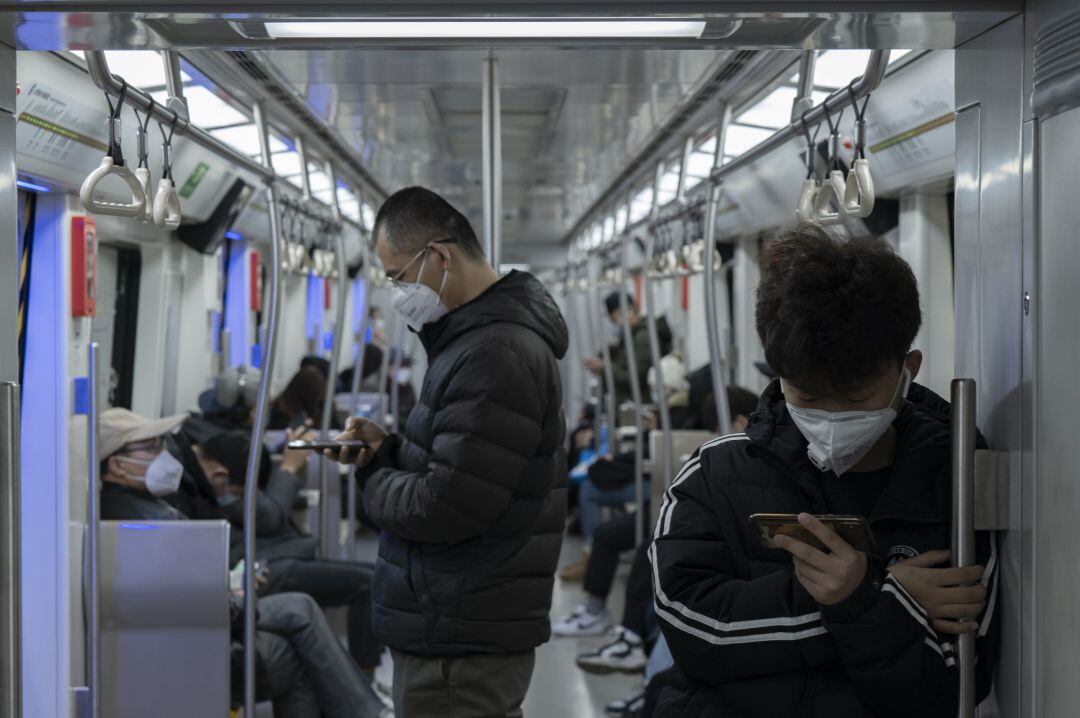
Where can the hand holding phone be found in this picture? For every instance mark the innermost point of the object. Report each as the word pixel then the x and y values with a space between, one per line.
pixel 326 445
pixel 852 529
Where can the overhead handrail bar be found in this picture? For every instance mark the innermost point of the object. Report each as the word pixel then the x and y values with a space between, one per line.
pixel 10 554
pixel 325 519
pixel 98 67
pixel 717 356
pixel 963 525
pixel 655 354
pixel 876 66
pixel 859 192
pixel 635 392
pixel 93 536
pixel 262 411
pixel 113 165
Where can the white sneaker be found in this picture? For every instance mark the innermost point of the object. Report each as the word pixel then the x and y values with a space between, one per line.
pixel 625 654
pixel 583 623
pixel 629 706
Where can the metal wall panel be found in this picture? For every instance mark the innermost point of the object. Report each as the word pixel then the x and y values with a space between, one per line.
pixel 989 296
pixel 1057 345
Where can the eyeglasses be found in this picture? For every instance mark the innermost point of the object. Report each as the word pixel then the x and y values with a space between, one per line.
pixel 149 446
pixel 396 279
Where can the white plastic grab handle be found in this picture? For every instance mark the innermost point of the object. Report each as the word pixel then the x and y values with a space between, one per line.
pixel 804 210
pixel 143 175
pixel 117 209
pixel 166 205
pixel 859 193
pixel 832 189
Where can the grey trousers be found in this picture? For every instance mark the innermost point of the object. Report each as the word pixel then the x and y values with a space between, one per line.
pixel 476 686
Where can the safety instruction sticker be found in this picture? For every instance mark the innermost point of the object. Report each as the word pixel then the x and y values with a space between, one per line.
pixel 193 180
pixel 906 139
pixel 52 128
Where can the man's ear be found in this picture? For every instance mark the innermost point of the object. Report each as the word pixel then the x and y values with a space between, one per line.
pixel 445 254
pixel 913 362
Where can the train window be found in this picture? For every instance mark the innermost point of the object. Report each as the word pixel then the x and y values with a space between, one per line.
pixel 320 183
pixel 348 203
pixel 245 138
pixel 287 165
pixel 622 217
pixel 609 228
pixel 367 214
pixel 668 185
pixel 740 138
pixel 641 204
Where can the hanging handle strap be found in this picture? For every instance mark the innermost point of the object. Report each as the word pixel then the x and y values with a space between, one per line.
pixel 167 211
pixel 835 185
pixel 112 165
pixel 859 191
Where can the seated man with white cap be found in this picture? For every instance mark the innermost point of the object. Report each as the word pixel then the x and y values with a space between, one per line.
pixel 137 472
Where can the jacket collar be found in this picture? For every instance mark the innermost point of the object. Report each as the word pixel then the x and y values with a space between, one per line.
pixel 915 492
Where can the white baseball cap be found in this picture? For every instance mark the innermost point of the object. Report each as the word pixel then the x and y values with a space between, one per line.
pixel 119 427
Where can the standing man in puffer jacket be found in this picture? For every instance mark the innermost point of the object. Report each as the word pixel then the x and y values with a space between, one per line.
pixel 471 497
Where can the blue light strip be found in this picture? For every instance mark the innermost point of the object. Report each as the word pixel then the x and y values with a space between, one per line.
pixel 237 310
pixel 30 186
pixel 359 303
pixel 316 310
pixel 235 236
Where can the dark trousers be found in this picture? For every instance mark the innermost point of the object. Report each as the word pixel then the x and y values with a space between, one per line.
pixel 331 584
pixel 473 686
pixel 610 540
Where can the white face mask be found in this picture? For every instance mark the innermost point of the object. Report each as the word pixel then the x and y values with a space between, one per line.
pixel 838 440
pixel 163 474
pixel 417 303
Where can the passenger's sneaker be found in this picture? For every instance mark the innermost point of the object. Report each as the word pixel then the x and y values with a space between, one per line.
pixel 625 654
pixel 583 623
pixel 630 706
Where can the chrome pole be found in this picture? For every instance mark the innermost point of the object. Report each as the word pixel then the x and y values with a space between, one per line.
pixel 262 411
pixel 804 98
pixel 329 525
pixel 654 353
pixel 93 535
pixel 635 393
pixel 395 393
pixel 358 369
pixel 174 83
pixel 492 161
pixel 384 368
pixel 605 353
pixel 10 557
pixel 963 503
pixel 712 321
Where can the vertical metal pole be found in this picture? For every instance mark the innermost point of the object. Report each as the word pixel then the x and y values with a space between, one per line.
pixel 654 353
pixel 329 525
pixel 305 179
pixel 963 503
pixel 358 370
pixel 492 160
pixel 384 368
pixel 804 100
pixel 635 394
pixel 599 307
pixel 395 392
pixel 10 560
pixel 688 149
pixel 174 83
pixel 712 322
pixel 93 531
pixel 262 411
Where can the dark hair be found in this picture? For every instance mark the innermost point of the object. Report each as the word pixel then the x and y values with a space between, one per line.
pixel 833 314
pixel 305 393
pixel 612 302
pixel 231 451
pixel 321 364
pixel 414 216
pixel 740 402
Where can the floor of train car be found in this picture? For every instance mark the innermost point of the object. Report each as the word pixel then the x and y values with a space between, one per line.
pixel 559 688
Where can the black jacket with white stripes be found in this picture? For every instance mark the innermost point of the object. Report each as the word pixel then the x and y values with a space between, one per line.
pixel 748 639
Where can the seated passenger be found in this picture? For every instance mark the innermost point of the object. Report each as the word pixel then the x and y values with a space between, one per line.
pixel 610 539
pixel 289 553
pixel 301 400
pixel 795 630
pixel 137 472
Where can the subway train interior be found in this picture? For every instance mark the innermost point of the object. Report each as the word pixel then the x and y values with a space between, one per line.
pixel 193 281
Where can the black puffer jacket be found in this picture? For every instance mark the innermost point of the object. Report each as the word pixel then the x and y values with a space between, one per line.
pixel 748 639
pixel 471 500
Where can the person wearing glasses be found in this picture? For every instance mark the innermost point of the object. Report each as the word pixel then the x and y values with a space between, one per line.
pixel 471 496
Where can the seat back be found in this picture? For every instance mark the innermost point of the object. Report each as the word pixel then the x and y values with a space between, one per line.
pixel 684 443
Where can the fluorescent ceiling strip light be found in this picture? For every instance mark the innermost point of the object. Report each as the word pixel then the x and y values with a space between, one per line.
pixel 513 29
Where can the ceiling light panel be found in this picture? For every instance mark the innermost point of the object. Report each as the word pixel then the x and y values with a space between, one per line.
pixel 510 29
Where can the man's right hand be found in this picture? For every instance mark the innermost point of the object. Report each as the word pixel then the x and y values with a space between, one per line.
pixel 952 597
pixel 596 366
pixel 363 430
